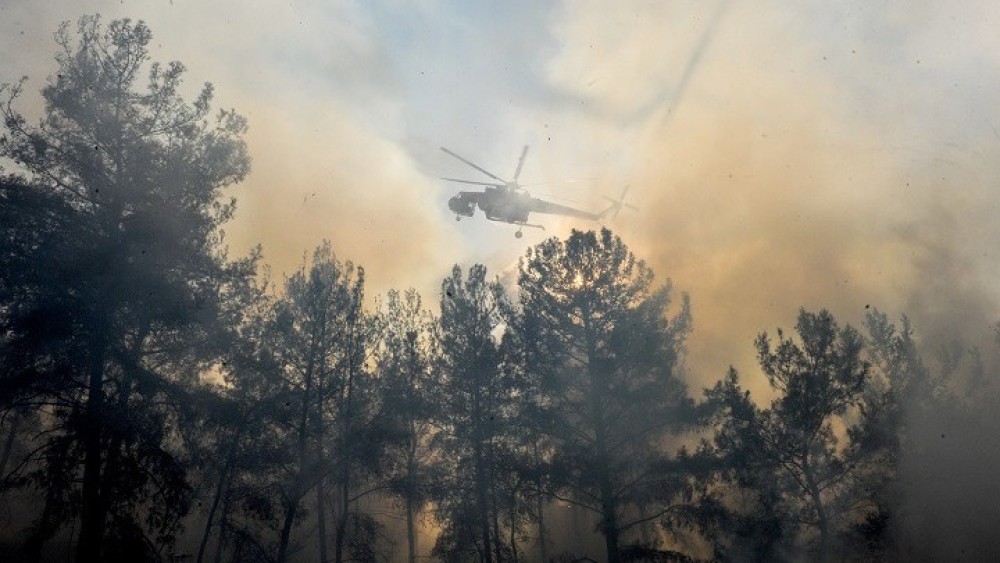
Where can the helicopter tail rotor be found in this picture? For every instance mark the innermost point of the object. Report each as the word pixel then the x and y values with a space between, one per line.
pixel 617 204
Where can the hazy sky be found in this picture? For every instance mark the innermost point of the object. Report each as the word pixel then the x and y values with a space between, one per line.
pixel 782 153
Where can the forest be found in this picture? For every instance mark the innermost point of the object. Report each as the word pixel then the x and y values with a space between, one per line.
pixel 162 400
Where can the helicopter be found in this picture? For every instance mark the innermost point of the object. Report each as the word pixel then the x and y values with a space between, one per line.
pixel 505 201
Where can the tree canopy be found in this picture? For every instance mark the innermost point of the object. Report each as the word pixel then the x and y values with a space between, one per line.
pixel 131 182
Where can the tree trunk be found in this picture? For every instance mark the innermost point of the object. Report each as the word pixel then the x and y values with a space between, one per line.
pixel 298 489
pixel 117 427
pixel 609 523
pixel 411 509
pixel 482 502
pixel 217 497
pixel 345 498
pixel 320 465
pixel 345 453
pixel 92 514
pixel 540 507
pixel 482 506
pixel 42 531
pixel 513 535
pixel 411 536
pixel 609 505
pixel 295 494
pixel 9 444
pixel 321 520
pixel 341 533
pixel 220 544
pixel 344 511
pixel 286 528
pixel 821 517
pixel 411 453
pixel 495 515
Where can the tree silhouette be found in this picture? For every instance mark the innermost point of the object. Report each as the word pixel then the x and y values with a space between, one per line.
pixel 408 358
pixel 322 342
pixel 243 440
pixel 927 407
pixel 605 356
pixel 476 401
pixel 790 451
pixel 133 180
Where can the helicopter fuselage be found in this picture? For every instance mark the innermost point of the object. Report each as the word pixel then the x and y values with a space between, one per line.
pixel 497 203
pixel 506 202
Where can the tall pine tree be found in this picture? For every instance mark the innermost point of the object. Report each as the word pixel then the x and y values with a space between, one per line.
pixel 133 174
pixel 606 357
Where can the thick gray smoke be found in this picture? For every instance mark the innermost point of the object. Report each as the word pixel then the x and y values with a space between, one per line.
pixel 827 156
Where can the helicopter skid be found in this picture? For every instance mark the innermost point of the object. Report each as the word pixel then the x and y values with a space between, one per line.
pixel 519 225
pixel 519 234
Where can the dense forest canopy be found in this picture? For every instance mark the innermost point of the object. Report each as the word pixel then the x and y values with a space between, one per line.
pixel 165 399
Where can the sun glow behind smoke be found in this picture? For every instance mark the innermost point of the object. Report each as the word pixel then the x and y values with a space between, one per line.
pixel 800 167
pixel 780 155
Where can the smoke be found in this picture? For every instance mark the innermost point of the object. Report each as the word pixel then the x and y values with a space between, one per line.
pixel 803 166
pixel 334 181
pixel 840 157
pixel 949 508
pixel 782 154
pixel 313 81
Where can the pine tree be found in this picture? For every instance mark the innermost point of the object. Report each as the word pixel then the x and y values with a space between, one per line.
pixel 605 356
pixel 410 390
pixel 133 177
pixel 790 451
pixel 475 404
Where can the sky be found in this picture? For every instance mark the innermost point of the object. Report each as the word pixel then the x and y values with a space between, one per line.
pixel 781 154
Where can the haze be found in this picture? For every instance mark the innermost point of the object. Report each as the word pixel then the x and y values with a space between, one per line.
pixel 839 155
pixel 782 153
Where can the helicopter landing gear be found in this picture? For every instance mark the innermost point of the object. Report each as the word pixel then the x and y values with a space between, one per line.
pixel 519 234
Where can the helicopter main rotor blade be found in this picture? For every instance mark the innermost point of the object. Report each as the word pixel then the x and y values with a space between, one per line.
pixel 520 162
pixel 470 182
pixel 556 182
pixel 476 166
